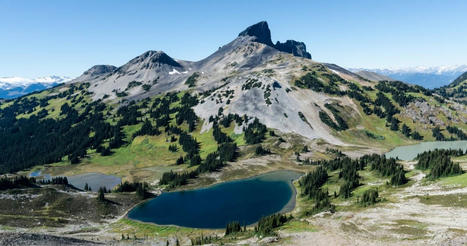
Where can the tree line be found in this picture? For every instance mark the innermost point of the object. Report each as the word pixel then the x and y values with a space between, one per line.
pixel 439 162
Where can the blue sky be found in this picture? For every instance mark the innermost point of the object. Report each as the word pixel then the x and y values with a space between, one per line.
pixel 66 37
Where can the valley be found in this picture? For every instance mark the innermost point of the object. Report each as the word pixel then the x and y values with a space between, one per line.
pixel 160 125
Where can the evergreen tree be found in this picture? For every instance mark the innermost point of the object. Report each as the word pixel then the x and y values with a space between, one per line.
pixel 406 130
pixel 233 227
pixel 101 194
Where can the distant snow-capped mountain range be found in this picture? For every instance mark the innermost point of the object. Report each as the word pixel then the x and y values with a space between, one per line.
pixel 12 87
pixel 428 77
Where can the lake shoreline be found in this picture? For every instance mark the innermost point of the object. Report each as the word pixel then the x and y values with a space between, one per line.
pixel 409 152
pixel 287 176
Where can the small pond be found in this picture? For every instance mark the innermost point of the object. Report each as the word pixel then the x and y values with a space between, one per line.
pixel 245 201
pixel 94 180
pixel 409 152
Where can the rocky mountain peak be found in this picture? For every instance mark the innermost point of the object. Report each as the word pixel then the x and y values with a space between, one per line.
pixel 293 47
pixel 100 69
pixel 155 57
pixel 260 31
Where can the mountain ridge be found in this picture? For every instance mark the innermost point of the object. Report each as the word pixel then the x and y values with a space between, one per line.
pixel 428 77
pixel 13 87
pixel 249 61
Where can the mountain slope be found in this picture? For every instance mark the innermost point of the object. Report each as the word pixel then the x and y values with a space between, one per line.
pixel 245 79
pixel 457 89
pixel 249 108
pixel 373 76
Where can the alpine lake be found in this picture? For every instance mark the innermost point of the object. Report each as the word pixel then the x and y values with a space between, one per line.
pixel 213 207
pixel 245 200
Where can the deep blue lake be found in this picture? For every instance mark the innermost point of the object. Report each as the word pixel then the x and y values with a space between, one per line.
pixel 245 201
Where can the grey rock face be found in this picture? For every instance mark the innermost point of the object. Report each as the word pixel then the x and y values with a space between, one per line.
pixel 261 34
pixel 293 47
pixel 149 60
pixel 249 59
pixel 260 31
pixel 99 70
pixel 95 72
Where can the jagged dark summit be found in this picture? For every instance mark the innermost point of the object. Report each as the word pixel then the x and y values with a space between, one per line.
pixel 261 33
pixel 294 47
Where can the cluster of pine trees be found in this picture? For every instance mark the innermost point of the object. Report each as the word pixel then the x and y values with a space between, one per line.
pixel 369 197
pixel 341 124
pixel 203 240
pixel 399 91
pixel 233 227
pixel 140 188
pixel 456 131
pixel 381 106
pixel 311 81
pixel 311 186
pixel 439 162
pixel 226 149
pixel 55 180
pixel 259 150
pixel 16 182
pixel 173 179
pixel 266 225
pixel 386 167
pixel 255 132
pixel 39 140
pixel 349 173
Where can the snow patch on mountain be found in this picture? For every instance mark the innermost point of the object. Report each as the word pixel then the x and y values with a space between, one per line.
pixel 12 82
pixel 12 87
pixel 428 77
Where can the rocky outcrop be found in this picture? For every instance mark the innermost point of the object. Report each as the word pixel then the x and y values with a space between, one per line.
pixel 95 72
pixel 293 47
pixel 261 34
pixel 150 59
pixel 99 70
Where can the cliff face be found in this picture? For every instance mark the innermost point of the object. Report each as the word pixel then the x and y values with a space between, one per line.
pixel 261 34
pixel 293 47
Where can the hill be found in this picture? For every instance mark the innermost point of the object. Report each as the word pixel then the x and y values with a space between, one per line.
pixel 457 89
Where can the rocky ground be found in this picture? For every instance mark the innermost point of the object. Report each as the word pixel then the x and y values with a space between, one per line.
pixel 419 214
pixel 13 239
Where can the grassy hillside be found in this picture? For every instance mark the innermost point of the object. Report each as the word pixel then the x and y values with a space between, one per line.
pixel 141 139
pixel 457 89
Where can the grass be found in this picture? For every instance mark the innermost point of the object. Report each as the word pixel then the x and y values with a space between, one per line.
pixel 140 229
pixel 413 228
pixel 459 180
pixel 130 130
pixel 377 127
pixel 450 200
pixel 144 159
pixel 207 142
pixel 298 226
